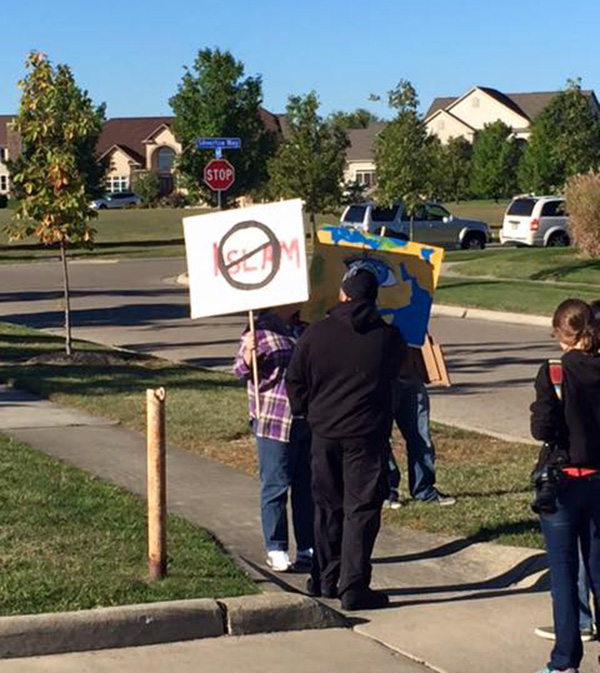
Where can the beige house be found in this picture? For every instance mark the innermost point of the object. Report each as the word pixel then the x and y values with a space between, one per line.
pixel 9 149
pixel 466 114
pixel 360 162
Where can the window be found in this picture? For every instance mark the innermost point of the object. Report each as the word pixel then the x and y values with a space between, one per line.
pixel 3 155
pixel 355 214
pixel 475 102
pixel 521 207
pixel 554 209
pixel 441 125
pixel 435 213
pixel 384 214
pixel 164 159
pixel 3 183
pixel 366 178
pixel 117 183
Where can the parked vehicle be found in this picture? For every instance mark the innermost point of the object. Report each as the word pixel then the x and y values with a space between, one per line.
pixel 116 200
pixel 432 224
pixel 536 221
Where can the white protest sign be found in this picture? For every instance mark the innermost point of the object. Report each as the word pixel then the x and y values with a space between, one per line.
pixel 246 258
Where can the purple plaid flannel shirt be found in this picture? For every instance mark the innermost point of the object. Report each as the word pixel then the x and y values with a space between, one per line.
pixel 275 344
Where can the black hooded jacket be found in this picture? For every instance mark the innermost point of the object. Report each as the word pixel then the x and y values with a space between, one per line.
pixel 341 372
pixel 574 422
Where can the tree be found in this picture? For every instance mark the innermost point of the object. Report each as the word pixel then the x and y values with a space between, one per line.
pixel 310 161
pixel 57 173
pixel 403 152
pixel 455 168
pixel 147 186
pixel 583 204
pixel 215 100
pixel 359 119
pixel 565 141
pixel 495 163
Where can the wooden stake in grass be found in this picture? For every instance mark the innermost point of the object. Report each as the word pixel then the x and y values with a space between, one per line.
pixel 157 483
pixel 255 367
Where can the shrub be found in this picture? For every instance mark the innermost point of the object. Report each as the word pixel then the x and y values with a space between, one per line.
pixel 147 187
pixel 175 200
pixel 583 205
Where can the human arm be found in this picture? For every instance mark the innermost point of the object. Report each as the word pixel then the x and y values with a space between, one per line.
pixel 243 360
pixel 296 379
pixel 547 414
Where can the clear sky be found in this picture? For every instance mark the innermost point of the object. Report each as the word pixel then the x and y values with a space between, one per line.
pixel 131 53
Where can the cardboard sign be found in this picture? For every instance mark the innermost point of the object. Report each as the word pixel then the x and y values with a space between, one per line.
pixel 246 258
pixel 408 273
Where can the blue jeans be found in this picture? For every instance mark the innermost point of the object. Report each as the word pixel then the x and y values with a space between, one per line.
pixel 576 522
pixel 586 620
pixel 283 467
pixel 411 412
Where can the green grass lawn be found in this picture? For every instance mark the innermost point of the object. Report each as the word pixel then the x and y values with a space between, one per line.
pixel 207 414
pixel 69 542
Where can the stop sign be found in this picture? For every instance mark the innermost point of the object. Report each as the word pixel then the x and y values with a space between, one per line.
pixel 219 175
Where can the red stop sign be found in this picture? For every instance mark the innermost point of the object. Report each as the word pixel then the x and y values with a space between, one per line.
pixel 219 175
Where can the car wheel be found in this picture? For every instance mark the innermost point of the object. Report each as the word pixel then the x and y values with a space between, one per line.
pixel 473 241
pixel 103 207
pixel 559 240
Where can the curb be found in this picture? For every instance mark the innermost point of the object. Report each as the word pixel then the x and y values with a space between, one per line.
pixel 165 622
pixel 492 316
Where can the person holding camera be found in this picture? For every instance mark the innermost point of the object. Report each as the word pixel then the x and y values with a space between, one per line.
pixel 566 417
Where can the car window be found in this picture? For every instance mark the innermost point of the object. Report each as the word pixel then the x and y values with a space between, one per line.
pixel 554 209
pixel 521 207
pixel 420 212
pixel 355 214
pixel 435 212
pixel 384 214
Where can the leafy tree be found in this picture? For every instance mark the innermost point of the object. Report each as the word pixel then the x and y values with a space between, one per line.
pixel 147 186
pixel 495 163
pixel 310 161
pixel 353 192
pixel 455 168
pixel 403 152
pixel 359 119
pixel 215 100
pixel 565 141
pixel 57 173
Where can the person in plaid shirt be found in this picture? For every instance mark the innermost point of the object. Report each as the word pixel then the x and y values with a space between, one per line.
pixel 282 441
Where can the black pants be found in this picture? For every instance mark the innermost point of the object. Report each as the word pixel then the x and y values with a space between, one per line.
pixel 349 481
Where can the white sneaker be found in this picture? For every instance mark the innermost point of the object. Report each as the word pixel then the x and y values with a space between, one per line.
pixel 279 561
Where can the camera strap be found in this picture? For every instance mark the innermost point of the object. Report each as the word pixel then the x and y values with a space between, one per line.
pixel 555 370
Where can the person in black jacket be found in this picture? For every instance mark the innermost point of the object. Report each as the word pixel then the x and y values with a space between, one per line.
pixel 340 377
pixel 566 415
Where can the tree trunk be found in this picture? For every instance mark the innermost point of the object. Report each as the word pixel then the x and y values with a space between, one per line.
pixel 63 257
pixel 313 228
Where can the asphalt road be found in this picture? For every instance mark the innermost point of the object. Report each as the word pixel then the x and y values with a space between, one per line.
pixel 138 305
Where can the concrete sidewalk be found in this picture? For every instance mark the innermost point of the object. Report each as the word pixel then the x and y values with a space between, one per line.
pixel 458 606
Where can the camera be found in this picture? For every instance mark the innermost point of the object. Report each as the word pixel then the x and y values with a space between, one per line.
pixel 549 481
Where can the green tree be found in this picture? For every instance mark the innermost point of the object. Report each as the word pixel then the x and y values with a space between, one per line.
pixel 565 141
pixel 147 186
pixel 57 173
pixel 214 99
pixel 495 162
pixel 403 152
pixel 358 119
pixel 310 161
pixel 455 168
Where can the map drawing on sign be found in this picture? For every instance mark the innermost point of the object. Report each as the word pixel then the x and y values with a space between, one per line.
pixel 247 258
pixel 408 274
pixel 218 143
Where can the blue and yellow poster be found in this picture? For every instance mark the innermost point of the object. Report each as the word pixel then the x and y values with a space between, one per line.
pixel 408 274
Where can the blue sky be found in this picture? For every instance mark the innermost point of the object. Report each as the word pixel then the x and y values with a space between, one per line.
pixel 130 53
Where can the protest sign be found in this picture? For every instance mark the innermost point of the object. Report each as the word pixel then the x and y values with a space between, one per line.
pixel 408 273
pixel 246 258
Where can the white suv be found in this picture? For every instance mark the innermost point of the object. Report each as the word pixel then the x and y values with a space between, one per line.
pixel 536 220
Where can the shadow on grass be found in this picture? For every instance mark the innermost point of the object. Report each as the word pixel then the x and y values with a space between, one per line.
pixel 99 245
pixel 561 272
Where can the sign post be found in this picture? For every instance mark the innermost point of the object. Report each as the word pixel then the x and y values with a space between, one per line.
pixel 219 174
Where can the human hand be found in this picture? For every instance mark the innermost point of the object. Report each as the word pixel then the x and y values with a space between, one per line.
pixel 249 346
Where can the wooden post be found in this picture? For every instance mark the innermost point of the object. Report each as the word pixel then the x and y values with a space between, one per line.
pixel 255 367
pixel 157 483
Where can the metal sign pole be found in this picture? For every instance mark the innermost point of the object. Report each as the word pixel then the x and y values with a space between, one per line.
pixel 219 205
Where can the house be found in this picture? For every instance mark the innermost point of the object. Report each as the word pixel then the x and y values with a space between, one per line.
pixel 480 105
pixel 9 149
pixel 129 145
pixel 360 160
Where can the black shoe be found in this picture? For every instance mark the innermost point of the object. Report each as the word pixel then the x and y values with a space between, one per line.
pixel 364 599
pixel 314 589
